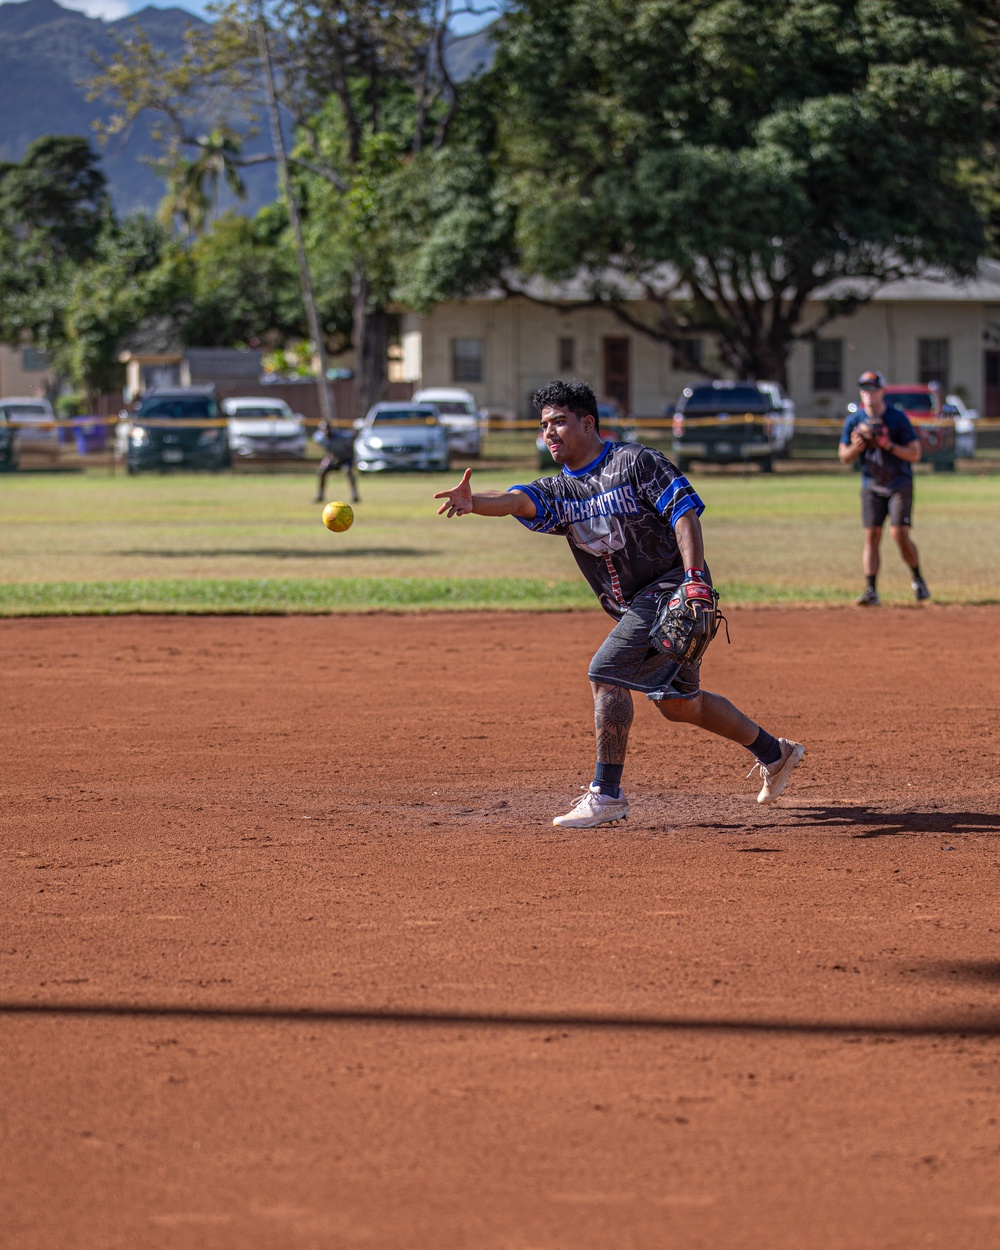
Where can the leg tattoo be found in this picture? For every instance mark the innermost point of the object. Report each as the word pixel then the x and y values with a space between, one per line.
pixel 612 720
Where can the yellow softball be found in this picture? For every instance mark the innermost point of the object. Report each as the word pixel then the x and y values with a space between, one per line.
pixel 338 517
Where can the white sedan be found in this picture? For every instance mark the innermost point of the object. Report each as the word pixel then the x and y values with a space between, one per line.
pixel 264 429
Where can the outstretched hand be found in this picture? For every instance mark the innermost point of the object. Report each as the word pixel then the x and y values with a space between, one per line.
pixel 458 499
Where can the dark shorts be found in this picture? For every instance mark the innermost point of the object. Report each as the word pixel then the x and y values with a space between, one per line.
pixel 628 658
pixel 875 507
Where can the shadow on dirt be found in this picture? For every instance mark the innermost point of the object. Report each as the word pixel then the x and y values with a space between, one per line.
pixel 281 553
pixel 988 1026
pixel 976 971
pixel 880 824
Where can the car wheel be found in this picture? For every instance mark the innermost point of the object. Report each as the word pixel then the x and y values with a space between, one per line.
pixel 767 464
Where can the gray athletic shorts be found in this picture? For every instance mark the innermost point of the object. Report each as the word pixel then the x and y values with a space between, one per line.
pixel 875 507
pixel 628 658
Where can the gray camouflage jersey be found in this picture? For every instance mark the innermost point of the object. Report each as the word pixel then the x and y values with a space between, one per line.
pixel 618 513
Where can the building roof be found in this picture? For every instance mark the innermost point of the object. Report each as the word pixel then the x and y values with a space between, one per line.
pixel 934 286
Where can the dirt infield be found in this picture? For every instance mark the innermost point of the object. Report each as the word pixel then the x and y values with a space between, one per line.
pixel 293 957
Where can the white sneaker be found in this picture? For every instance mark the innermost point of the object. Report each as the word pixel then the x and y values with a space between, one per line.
pixel 776 775
pixel 594 808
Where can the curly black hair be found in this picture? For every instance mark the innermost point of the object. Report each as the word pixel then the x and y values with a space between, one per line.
pixel 578 397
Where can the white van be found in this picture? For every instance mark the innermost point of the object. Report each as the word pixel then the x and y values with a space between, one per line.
pixel 264 429
pixel 34 420
pixel 459 416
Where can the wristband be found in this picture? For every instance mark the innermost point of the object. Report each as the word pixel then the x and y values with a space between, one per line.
pixel 695 575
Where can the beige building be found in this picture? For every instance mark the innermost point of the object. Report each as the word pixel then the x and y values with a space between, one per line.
pixel 23 372
pixel 913 331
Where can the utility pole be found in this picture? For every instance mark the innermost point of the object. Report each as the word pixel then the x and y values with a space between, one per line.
pixel 326 404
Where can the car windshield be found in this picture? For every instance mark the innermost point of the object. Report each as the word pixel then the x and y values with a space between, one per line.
pixel 911 401
pixel 404 416
pixel 453 408
pixel 14 411
pixel 192 407
pixel 260 410
pixel 725 399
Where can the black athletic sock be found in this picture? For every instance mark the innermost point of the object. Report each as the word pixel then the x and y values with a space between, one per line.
pixel 765 748
pixel 607 778
pixel 915 570
pixel 871 582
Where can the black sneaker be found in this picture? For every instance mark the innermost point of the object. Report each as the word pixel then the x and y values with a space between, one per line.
pixel 920 590
pixel 869 599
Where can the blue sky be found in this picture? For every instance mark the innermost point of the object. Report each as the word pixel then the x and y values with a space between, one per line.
pixel 112 9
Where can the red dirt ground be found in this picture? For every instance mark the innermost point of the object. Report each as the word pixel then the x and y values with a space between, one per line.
pixel 292 956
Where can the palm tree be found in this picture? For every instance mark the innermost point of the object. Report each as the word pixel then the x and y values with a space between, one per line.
pixel 193 183
pixel 186 201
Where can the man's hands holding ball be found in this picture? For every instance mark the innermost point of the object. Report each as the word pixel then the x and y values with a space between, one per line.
pixel 865 436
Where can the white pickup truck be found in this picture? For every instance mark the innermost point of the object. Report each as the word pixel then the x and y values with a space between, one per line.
pixel 459 416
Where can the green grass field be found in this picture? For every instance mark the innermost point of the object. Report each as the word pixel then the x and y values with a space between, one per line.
pixel 93 542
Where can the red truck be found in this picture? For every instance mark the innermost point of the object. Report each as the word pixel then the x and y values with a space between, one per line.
pixel 923 405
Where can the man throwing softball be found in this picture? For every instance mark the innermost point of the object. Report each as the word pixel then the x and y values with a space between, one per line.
pixel 631 520
pixel 888 445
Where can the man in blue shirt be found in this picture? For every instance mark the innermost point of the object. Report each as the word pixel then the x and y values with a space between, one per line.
pixel 631 520
pixel 888 445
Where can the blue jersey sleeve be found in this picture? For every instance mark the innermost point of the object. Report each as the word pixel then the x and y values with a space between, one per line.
pixel 544 520
pixel 853 420
pixel 664 488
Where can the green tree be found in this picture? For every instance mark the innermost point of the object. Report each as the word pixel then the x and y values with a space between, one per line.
pixel 729 160
pixel 136 274
pixel 244 286
pixel 53 209
pixel 368 88
pixel 54 202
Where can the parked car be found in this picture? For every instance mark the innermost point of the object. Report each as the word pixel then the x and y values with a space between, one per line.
pixel 264 429
pixel 175 426
pixel 401 436
pixel 459 416
pixel 34 421
pixel 783 423
pixel 728 423
pixel 922 404
pixel 10 443
pixel 614 429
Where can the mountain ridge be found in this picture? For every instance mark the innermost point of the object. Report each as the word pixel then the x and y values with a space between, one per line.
pixel 47 52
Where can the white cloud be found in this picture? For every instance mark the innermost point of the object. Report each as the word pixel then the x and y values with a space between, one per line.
pixel 109 10
pixel 112 10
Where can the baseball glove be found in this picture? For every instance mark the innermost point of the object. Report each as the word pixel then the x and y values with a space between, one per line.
pixel 687 621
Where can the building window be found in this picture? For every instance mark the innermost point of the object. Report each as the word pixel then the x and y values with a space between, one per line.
pixel 933 359
pixel 34 361
pixel 467 360
pixel 687 356
pixel 567 355
pixel 828 364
